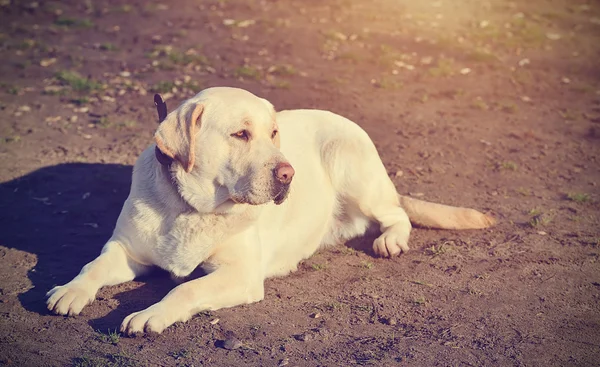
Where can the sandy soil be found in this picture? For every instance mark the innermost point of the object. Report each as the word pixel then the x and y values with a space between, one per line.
pixel 489 104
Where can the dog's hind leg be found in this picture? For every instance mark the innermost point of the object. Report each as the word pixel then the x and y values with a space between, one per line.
pixel 112 267
pixel 362 181
pixel 378 200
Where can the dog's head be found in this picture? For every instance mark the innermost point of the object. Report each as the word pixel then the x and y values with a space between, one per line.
pixel 224 143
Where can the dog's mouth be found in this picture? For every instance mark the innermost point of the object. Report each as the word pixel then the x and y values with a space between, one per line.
pixel 278 197
pixel 282 195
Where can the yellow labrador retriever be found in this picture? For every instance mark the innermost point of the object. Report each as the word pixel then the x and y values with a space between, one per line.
pixel 246 193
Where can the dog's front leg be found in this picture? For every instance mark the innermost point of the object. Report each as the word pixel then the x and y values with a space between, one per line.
pixel 225 287
pixel 113 266
pixel 237 279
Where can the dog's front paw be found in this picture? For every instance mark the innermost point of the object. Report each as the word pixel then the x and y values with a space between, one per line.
pixel 154 319
pixel 391 243
pixel 69 299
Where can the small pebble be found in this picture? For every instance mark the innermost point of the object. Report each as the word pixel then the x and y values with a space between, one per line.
pixel 304 337
pixel 232 343
pixel 47 62
pixel 524 62
pixel 525 99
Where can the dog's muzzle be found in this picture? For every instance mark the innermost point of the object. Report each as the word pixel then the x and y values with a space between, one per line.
pixel 283 174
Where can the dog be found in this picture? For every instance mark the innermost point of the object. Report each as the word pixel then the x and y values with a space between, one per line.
pixel 247 193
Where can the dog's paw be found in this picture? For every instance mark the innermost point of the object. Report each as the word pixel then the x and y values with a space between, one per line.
pixel 152 320
pixel 68 299
pixel 391 243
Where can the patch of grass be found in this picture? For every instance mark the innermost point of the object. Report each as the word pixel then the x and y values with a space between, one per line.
pixel 23 64
pixel 317 267
pixel 120 359
pixel 479 104
pixel 9 88
pixel 26 44
pixel 123 8
pixel 507 165
pixel 437 250
pixel 443 68
pixel 568 115
pixel 388 83
pixel 508 107
pixel 77 82
pixel 349 57
pixel 578 197
pixel 111 337
pixel 180 58
pixel 575 218
pixel 12 139
pixel 419 282
pixel 362 308
pixel 87 361
pixel 539 220
pixel 367 265
pixel 522 32
pixel 103 123
pixel 282 70
pixel 481 55
pixel 534 212
pixel 526 32
pixel 194 86
pixel 347 250
pixel 162 87
pixel 523 191
pixel 171 57
pixel 80 101
pixel 339 81
pixel 67 22
pixel 127 124
pixel 420 301
pixel 332 306
pixel 180 354
pixel 107 46
pixel 248 72
pixel 388 55
pixel 282 84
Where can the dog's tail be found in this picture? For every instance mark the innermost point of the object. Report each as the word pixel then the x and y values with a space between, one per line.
pixel 432 215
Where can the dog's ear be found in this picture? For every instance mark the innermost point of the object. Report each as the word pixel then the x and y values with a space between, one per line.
pixel 176 135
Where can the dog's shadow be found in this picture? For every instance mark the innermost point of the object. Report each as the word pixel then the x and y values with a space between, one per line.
pixel 63 215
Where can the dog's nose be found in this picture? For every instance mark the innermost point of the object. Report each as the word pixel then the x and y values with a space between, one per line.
pixel 284 172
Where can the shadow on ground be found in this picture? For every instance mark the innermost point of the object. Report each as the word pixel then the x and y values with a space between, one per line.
pixel 62 214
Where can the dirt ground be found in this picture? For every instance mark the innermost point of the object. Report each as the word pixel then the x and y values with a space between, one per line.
pixel 488 104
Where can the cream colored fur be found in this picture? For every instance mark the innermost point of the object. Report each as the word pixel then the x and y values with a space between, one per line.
pixel 215 206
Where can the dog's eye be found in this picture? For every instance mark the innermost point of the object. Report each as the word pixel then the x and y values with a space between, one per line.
pixel 242 134
pixel 274 134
